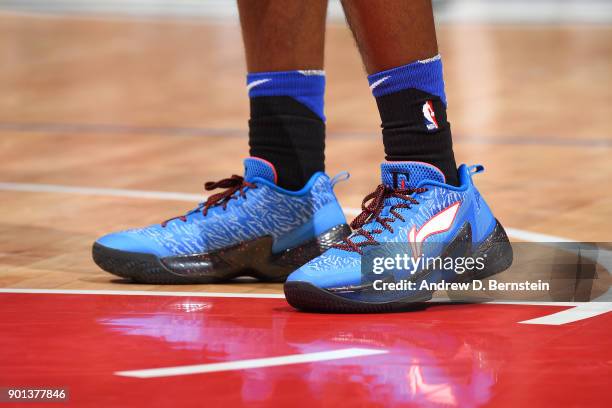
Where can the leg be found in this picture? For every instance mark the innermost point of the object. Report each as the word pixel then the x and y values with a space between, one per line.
pixel 416 203
pixel 284 43
pixel 254 227
pixel 397 41
pixel 283 35
pixel 391 33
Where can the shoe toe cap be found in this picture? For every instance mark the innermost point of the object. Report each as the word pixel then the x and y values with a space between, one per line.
pixel 129 242
pixel 327 275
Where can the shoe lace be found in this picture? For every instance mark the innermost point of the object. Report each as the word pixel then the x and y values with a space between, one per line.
pixel 371 209
pixel 231 185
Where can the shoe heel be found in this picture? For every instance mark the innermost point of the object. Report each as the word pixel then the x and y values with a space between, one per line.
pixel 497 252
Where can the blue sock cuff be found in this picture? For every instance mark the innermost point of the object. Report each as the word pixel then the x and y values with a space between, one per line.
pixel 307 87
pixel 424 75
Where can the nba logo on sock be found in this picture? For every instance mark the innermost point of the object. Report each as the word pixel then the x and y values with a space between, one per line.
pixel 430 116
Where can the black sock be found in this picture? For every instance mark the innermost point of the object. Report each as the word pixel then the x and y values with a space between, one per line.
pixel 405 133
pixel 288 135
pixel 287 125
pixel 412 105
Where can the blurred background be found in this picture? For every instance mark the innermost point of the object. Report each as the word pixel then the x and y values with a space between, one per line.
pixel 488 11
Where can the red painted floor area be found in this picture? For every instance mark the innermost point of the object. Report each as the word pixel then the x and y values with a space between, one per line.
pixel 442 355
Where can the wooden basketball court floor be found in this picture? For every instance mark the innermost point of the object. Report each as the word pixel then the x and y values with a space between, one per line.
pixel 108 124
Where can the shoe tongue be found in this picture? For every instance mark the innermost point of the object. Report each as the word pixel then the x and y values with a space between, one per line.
pixel 256 167
pixel 404 174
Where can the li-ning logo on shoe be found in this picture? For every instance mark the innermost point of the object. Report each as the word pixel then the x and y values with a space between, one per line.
pixel 441 222
pixel 430 116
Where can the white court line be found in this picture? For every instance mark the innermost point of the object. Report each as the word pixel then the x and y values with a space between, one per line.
pixel 113 192
pixel 534 236
pixel 248 295
pixel 580 312
pixel 253 363
pixel 143 293
pixel 175 196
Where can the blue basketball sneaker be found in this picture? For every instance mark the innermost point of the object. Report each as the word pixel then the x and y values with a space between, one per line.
pixel 409 230
pixel 252 228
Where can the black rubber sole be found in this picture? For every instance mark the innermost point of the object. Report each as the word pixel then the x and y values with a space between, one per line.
pixel 309 298
pixel 496 249
pixel 252 258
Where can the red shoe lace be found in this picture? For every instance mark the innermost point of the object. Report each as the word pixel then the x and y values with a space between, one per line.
pixel 371 207
pixel 232 185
